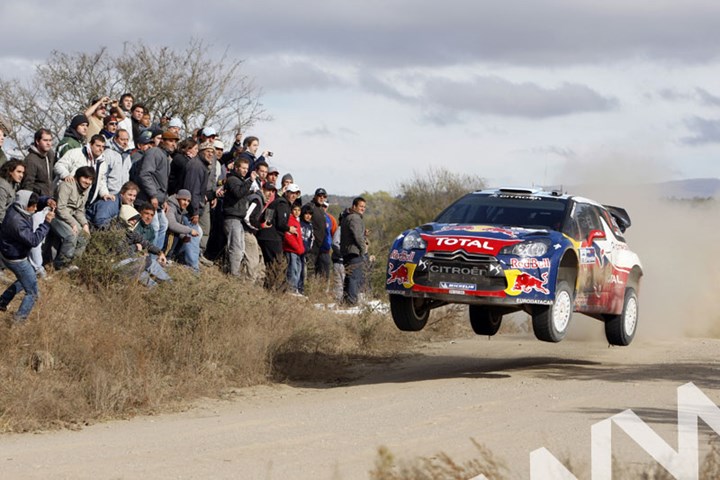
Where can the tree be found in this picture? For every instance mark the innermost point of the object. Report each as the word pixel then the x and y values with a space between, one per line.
pixel 187 83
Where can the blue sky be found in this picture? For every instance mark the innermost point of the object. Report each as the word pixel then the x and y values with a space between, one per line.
pixel 363 94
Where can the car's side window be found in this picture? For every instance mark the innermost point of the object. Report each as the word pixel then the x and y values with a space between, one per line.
pixel 586 220
pixel 610 220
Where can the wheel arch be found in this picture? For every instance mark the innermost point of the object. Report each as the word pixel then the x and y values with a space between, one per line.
pixel 568 268
pixel 634 278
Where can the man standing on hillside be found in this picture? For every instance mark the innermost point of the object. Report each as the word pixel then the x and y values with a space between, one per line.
pixel 153 177
pixel 353 248
pixel 39 164
pixel 318 260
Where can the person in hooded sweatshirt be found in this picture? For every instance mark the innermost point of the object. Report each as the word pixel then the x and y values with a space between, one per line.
pixel 18 238
pixel 148 269
pixel 74 136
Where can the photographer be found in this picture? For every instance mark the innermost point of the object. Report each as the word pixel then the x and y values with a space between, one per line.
pixel 250 146
pixel 97 112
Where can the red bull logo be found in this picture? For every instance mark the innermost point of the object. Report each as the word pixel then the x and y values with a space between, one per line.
pixel 527 283
pixel 400 275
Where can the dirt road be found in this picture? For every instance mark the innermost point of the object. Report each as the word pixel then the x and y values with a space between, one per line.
pixel 512 393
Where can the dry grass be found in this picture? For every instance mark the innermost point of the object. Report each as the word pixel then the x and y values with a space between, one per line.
pixel 442 467
pixel 118 349
pixel 437 467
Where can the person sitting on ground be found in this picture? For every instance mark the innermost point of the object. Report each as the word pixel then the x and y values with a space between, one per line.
pixel 101 204
pixel 18 237
pixel 185 244
pixel 70 224
pixel 148 269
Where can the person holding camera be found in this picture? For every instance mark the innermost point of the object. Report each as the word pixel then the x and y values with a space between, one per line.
pixel 251 146
pixel 18 238
pixel 97 112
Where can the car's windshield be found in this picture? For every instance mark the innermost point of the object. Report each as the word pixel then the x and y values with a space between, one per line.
pixel 528 211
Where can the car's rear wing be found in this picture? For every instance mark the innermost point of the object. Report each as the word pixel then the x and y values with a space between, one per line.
pixel 621 217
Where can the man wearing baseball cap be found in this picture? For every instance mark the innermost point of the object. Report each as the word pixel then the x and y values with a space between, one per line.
pixel 153 182
pixel 319 261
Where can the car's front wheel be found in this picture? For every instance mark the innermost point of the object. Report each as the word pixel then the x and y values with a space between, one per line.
pixel 620 329
pixel 485 320
pixel 550 323
pixel 409 314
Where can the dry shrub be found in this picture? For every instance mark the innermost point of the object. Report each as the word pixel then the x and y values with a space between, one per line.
pixel 438 467
pixel 119 349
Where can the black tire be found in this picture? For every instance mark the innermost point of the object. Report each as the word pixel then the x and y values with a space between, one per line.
pixel 409 314
pixel 550 323
pixel 620 329
pixel 485 320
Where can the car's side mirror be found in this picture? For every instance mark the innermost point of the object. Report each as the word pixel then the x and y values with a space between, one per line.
pixel 595 234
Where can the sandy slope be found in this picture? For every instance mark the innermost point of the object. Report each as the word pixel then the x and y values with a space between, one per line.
pixel 512 393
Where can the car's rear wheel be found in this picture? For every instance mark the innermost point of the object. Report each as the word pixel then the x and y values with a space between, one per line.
pixel 485 320
pixel 409 314
pixel 620 329
pixel 550 323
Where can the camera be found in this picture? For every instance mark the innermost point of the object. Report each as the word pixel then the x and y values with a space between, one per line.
pixel 270 154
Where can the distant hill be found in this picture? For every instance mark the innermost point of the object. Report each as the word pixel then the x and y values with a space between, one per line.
pixel 691 188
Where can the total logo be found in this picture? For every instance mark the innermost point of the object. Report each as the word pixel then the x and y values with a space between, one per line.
pixel 464 242
pixel 469 244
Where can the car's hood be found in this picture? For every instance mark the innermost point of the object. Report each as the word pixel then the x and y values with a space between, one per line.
pixel 487 239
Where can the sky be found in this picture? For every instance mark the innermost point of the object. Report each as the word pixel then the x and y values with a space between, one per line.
pixel 364 95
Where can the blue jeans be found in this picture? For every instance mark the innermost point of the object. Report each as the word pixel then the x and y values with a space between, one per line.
pixel 303 273
pixel 354 279
pixel 294 271
pixel 160 225
pixel 26 280
pixel 235 244
pixel 101 212
pixel 188 252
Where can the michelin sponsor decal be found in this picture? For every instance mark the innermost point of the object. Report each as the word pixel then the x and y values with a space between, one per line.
pixel 458 286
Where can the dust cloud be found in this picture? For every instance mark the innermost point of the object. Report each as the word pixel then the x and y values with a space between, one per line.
pixel 675 239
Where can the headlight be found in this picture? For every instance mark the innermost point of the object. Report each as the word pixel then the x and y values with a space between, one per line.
pixel 532 248
pixel 413 240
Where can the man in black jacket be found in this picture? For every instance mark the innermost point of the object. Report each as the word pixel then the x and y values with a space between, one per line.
pixel 353 248
pixel 39 164
pixel 235 205
pixel 319 261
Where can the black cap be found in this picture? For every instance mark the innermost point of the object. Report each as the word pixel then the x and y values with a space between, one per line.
pixel 320 191
pixel 78 120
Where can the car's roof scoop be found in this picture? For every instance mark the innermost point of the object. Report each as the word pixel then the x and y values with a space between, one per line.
pixel 621 217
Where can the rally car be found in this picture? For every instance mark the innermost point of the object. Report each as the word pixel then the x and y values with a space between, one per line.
pixel 509 249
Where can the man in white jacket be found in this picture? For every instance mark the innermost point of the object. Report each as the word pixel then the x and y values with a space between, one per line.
pixel 101 205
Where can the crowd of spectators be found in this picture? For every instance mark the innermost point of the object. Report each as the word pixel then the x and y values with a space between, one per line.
pixel 178 197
